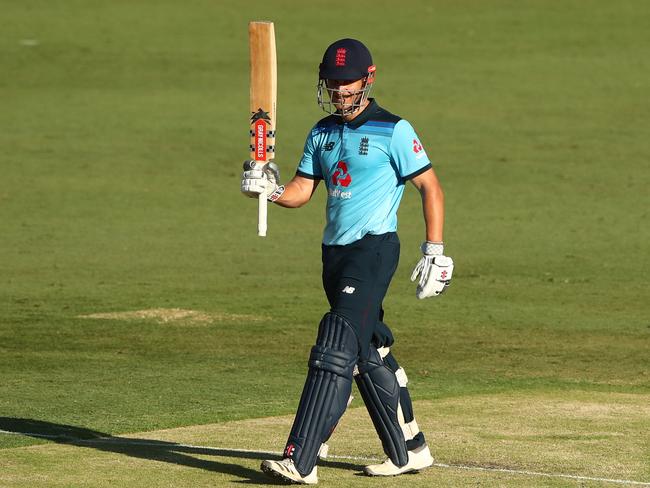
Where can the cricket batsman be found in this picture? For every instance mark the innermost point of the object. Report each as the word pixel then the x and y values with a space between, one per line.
pixel 365 155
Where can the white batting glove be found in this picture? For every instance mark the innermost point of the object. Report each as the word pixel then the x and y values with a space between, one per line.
pixel 261 178
pixel 434 270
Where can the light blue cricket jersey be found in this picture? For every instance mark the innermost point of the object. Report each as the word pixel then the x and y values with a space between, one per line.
pixel 364 164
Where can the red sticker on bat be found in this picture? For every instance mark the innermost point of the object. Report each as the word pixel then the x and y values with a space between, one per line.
pixel 260 140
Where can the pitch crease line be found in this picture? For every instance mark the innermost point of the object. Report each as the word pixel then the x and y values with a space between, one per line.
pixel 111 440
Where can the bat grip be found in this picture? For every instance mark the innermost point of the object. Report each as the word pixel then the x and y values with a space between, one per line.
pixel 261 215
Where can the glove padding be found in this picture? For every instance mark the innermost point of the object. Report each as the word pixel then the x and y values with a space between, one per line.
pixel 435 272
pixel 260 178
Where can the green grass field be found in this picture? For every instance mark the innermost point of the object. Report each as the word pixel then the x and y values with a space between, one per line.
pixel 123 125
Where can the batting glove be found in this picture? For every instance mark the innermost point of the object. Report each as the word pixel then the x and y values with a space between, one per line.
pixel 434 270
pixel 261 178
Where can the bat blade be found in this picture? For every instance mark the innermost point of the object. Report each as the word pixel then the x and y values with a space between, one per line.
pixel 263 99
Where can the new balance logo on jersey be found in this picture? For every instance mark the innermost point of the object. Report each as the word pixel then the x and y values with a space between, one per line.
pixel 349 290
pixel 328 146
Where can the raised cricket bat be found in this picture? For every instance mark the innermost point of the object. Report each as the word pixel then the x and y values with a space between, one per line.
pixel 263 97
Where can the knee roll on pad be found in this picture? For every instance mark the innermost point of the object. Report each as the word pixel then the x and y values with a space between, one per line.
pixel 335 331
pixel 380 391
pixel 326 391
pixel 335 344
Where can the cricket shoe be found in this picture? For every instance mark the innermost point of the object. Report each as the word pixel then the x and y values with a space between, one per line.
pixel 419 458
pixel 287 471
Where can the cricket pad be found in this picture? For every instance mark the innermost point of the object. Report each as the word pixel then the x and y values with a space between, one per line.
pixel 326 391
pixel 380 391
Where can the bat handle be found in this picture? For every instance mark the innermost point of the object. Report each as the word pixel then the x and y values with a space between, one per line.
pixel 261 215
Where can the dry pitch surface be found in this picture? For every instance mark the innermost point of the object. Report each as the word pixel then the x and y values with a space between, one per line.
pixel 560 439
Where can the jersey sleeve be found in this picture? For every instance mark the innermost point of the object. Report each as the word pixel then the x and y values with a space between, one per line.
pixel 406 151
pixel 309 166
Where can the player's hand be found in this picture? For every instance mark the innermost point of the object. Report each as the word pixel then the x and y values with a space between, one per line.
pixel 434 270
pixel 259 178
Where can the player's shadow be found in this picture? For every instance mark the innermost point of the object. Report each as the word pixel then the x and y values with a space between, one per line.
pixel 153 450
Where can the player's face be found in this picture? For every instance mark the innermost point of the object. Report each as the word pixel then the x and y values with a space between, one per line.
pixel 344 93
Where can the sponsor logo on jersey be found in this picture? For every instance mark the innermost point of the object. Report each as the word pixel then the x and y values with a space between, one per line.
pixel 349 290
pixel 337 193
pixel 341 176
pixel 418 149
pixel 328 146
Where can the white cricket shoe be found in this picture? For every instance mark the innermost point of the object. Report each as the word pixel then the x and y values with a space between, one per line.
pixel 286 470
pixel 419 458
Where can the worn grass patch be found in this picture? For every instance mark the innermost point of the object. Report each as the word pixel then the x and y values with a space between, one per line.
pixel 167 315
pixel 567 438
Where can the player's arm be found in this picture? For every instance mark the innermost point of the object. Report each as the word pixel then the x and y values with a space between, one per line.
pixel 258 179
pixel 433 204
pixel 297 192
pixel 434 269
